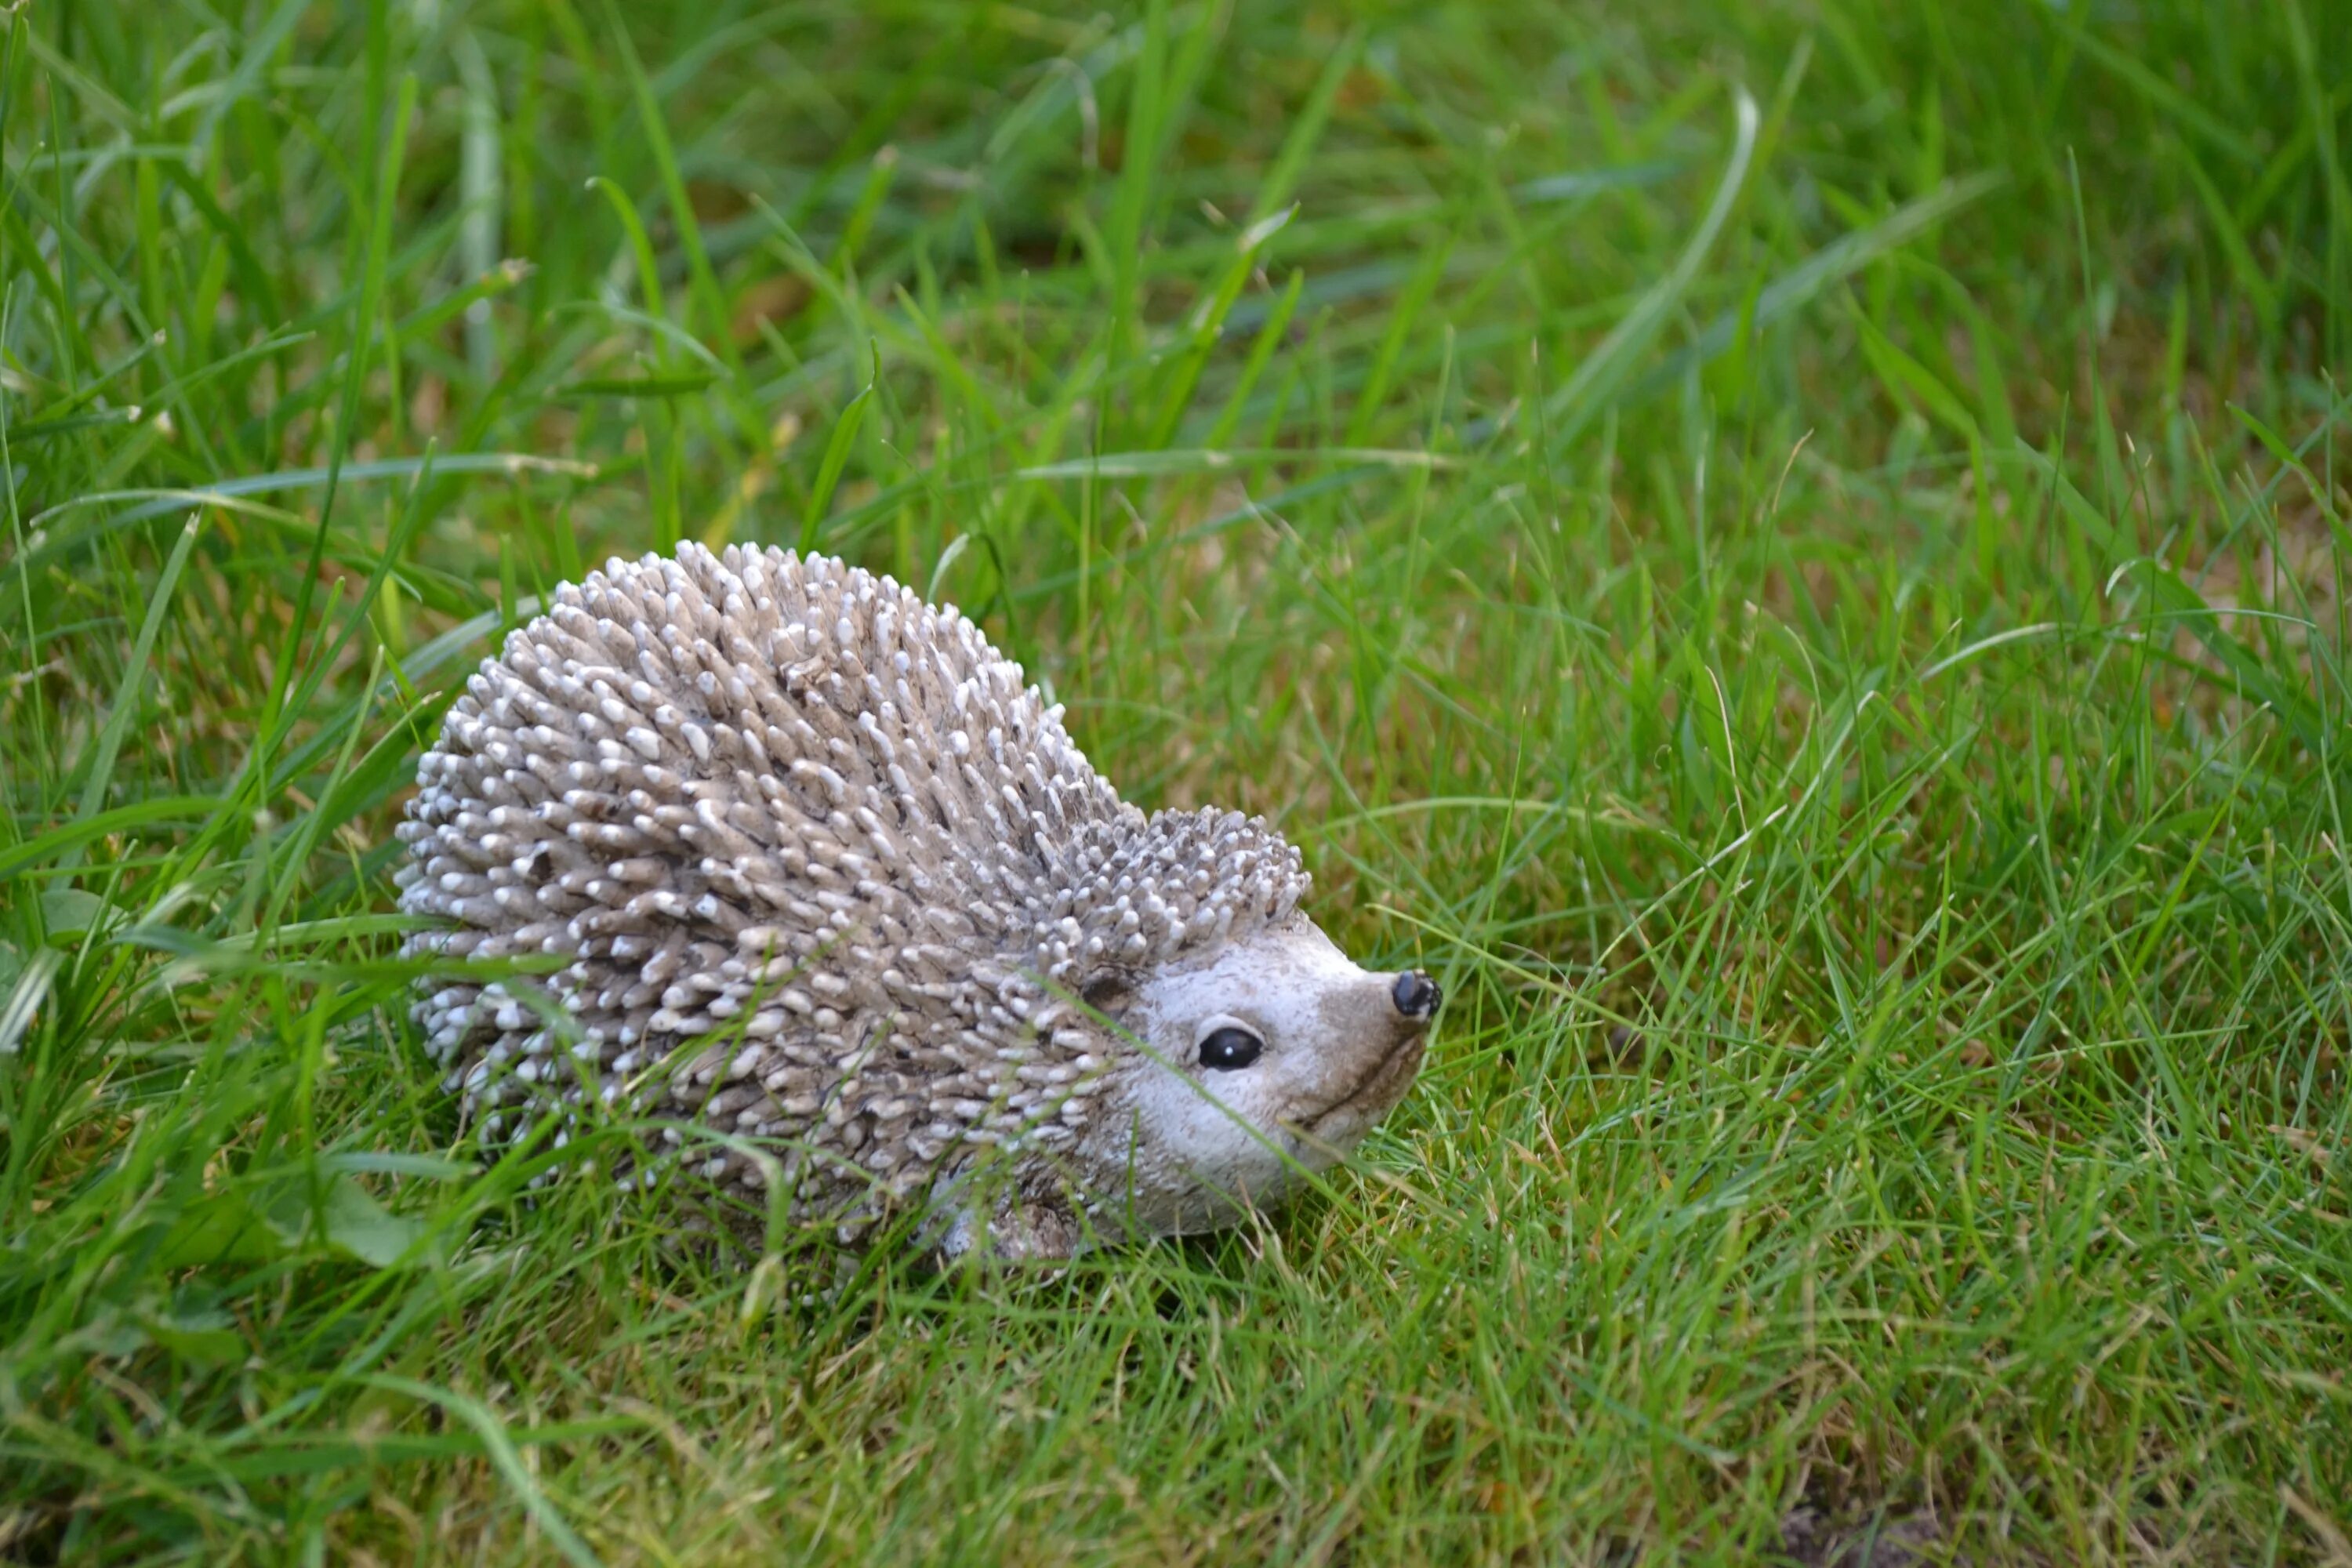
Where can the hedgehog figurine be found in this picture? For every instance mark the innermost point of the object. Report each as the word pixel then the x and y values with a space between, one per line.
pixel 836 903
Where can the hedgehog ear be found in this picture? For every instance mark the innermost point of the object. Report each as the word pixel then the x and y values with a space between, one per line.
pixel 1107 992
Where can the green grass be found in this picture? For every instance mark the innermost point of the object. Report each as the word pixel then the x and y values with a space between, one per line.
pixel 1825 626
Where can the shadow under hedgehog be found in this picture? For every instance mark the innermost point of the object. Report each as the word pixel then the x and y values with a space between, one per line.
pixel 824 875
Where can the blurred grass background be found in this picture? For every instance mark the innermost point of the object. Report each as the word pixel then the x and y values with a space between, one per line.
pixel 1791 551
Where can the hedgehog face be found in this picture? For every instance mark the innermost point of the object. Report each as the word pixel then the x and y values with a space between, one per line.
pixel 1270 1053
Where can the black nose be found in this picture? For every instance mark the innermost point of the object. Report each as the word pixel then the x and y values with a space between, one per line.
pixel 1416 994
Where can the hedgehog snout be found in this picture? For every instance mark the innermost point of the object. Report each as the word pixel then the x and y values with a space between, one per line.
pixel 1416 995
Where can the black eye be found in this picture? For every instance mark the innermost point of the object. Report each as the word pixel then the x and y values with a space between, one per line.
pixel 1228 1048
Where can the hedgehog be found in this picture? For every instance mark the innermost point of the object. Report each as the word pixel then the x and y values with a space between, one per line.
pixel 810 879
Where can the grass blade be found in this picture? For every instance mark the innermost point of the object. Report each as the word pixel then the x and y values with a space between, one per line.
pixel 1597 376
pixel 134 675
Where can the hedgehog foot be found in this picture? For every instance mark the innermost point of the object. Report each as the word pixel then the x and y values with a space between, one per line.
pixel 1031 1232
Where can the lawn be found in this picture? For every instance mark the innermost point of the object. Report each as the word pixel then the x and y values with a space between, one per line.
pixel 1792 553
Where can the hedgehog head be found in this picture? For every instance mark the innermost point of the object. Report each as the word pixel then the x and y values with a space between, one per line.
pixel 1252 1060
